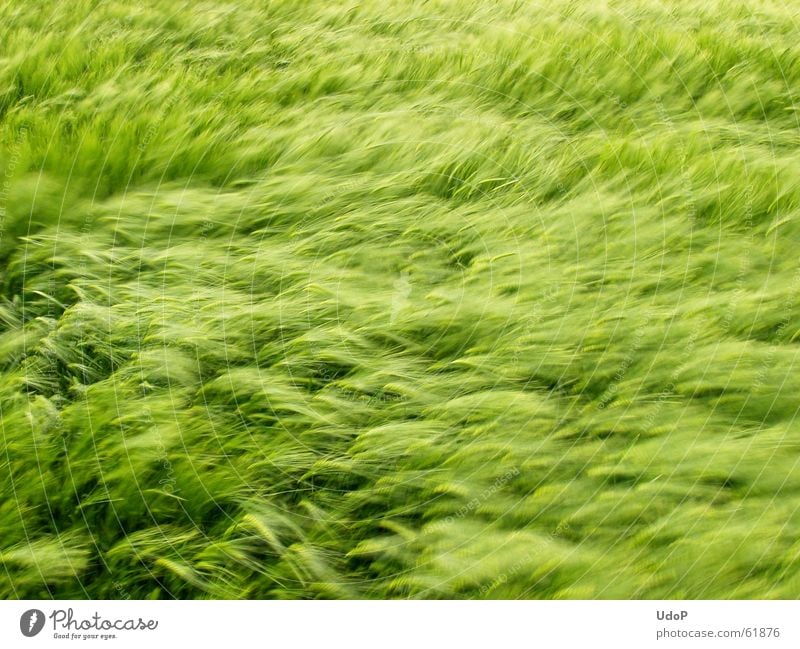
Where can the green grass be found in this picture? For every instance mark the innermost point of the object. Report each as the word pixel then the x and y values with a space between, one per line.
pixel 453 299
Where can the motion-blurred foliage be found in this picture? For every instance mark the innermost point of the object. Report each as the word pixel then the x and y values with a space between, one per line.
pixel 368 299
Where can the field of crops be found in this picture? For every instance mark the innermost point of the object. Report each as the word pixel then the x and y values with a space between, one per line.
pixel 447 299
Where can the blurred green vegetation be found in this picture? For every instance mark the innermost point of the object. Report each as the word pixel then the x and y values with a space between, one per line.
pixel 378 300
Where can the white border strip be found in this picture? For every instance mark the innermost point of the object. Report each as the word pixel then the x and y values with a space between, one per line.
pixel 401 624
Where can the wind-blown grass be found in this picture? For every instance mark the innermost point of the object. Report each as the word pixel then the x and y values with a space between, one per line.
pixel 444 299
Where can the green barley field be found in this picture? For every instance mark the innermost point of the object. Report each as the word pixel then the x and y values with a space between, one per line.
pixel 447 299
